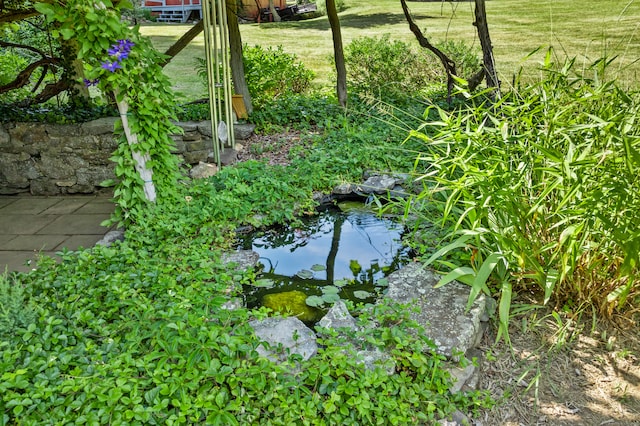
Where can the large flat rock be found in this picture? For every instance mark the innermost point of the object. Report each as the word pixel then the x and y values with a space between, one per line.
pixel 442 311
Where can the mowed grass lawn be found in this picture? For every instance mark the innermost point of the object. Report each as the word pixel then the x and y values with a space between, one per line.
pixel 585 29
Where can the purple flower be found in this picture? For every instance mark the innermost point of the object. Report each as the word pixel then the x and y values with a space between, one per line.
pixel 121 49
pixel 111 66
pixel 89 83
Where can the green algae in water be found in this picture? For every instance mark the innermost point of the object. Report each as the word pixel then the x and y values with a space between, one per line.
pixel 292 303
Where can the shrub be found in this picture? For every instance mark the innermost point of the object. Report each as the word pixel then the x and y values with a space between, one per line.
pixel 393 70
pixel 541 191
pixel 270 73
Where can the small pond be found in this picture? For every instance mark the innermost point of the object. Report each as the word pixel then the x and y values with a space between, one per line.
pixel 344 252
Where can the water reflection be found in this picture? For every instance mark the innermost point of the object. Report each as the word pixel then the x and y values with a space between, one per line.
pixel 353 245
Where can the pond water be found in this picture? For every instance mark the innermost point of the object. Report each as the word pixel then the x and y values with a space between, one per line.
pixel 341 253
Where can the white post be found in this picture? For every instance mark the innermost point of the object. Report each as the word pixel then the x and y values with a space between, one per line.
pixel 141 159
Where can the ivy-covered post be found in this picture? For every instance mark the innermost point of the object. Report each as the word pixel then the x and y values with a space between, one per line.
pixel 118 60
pixel 146 173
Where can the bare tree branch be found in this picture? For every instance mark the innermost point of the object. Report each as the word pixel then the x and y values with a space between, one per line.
pixel 9 15
pixel 448 64
pixel 23 46
pixel 23 78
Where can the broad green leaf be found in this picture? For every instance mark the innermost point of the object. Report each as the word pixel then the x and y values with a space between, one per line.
pixel 314 301
pixel 361 294
pixel 480 281
pixel 382 282
pixel 264 283
pixel 305 274
pixel 457 274
pixel 318 267
pixel 340 283
pixel 330 297
pixel 460 242
pixel 329 289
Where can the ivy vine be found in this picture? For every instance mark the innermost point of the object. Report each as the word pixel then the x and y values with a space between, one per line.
pixel 120 61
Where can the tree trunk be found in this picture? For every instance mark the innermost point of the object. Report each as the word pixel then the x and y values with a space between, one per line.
pixel 338 52
pixel 274 12
pixel 487 50
pixel 235 47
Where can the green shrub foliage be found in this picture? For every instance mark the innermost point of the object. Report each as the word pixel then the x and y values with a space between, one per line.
pixel 541 190
pixel 270 73
pixel 394 71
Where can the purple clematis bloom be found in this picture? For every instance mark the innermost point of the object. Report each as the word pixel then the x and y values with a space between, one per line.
pixel 111 66
pixel 89 83
pixel 121 49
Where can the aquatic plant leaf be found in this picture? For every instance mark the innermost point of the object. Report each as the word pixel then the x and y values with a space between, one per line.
pixel 315 301
pixel 340 283
pixel 329 289
pixel 382 282
pixel 305 274
pixel 264 283
pixel 361 294
pixel 317 267
pixel 330 297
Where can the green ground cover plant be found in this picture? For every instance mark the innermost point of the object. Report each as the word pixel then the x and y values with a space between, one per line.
pixel 136 333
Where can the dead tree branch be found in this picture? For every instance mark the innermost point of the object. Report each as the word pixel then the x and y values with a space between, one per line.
pixel 447 63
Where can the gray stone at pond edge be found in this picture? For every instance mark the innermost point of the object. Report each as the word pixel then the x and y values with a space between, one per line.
pixel 380 184
pixel 461 377
pixel 244 259
pixel 338 316
pixel 111 237
pixel 344 189
pixel 441 311
pixel 203 171
pixel 284 336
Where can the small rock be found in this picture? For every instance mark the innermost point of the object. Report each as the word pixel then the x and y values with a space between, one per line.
pixel 377 185
pixel 460 376
pixel 244 259
pixel 111 237
pixel 343 189
pixel 284 336
pixel 376 358
pixel 337 317
pixel 203 171
pixel 233 304
pixel 243 131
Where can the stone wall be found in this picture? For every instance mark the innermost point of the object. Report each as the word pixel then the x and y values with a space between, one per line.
pixel 51 159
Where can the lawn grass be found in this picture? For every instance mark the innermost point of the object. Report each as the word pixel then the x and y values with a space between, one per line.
pixel 587 30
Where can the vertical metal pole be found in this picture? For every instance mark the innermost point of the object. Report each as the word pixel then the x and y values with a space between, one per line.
pixel 216 41
pixel 206 17
pixel 228 95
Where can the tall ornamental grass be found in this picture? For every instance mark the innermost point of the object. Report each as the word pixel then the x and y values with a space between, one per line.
pixel 541 190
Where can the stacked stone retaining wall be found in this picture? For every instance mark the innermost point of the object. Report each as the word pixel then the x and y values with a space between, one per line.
pixel 55 159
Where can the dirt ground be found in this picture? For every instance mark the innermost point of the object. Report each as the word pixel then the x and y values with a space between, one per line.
pixel 563 369
pixel 559 369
